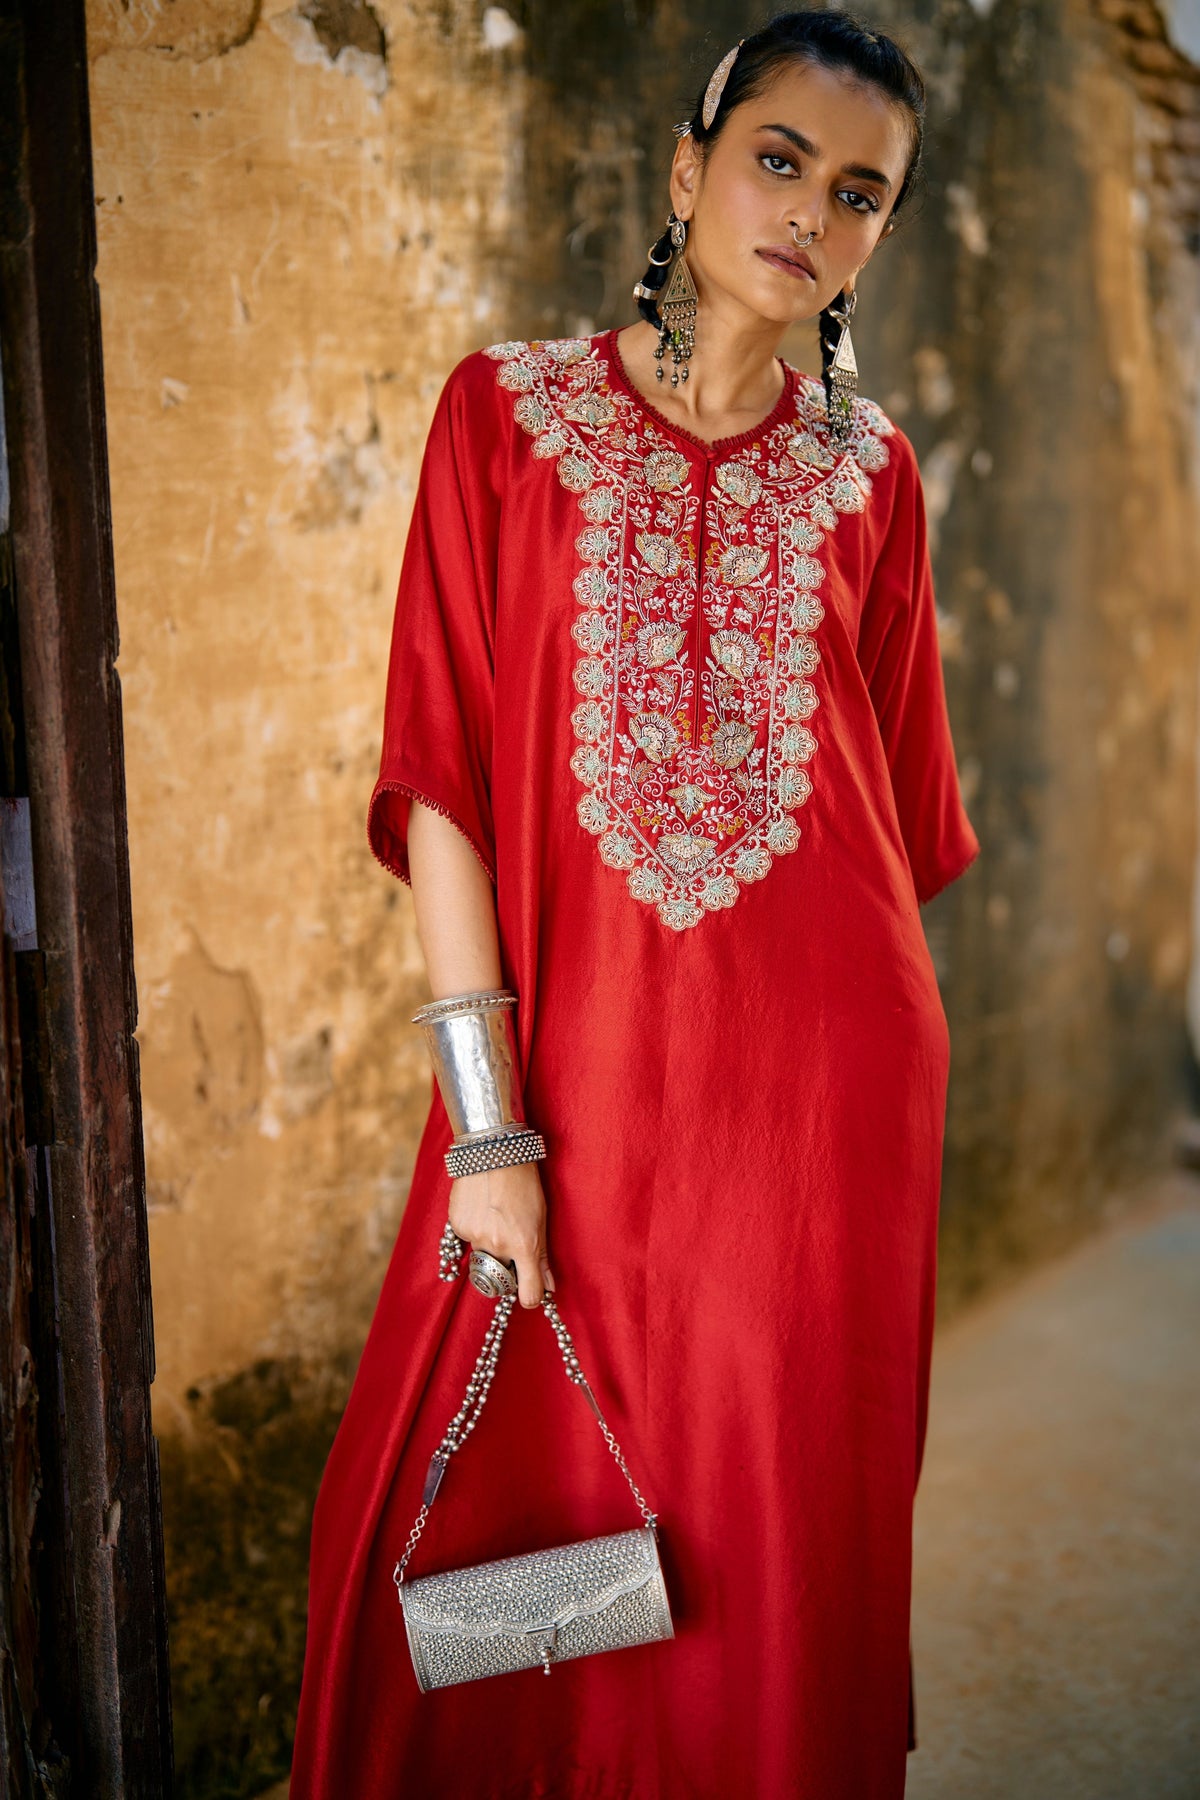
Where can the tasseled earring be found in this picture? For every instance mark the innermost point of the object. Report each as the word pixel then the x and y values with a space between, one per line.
pixel 839 369
pixel 673 315
pixel 677 311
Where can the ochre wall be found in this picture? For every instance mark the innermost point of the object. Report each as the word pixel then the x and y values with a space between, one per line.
pixel 289 263
pixel 292 254
pixel 307 213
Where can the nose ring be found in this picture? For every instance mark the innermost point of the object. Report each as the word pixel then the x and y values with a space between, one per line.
pixel 800 242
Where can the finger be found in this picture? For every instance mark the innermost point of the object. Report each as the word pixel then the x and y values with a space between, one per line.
pixel 529 1280
pixel 547 1277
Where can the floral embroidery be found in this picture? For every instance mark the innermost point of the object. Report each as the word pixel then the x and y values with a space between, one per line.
pixel 698 669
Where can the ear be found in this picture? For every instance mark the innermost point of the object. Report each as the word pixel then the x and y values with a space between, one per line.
pixel 686 171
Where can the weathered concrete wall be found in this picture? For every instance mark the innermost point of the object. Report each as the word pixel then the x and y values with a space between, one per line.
pixel 296 242
pixel 1051 389
pixel 307 213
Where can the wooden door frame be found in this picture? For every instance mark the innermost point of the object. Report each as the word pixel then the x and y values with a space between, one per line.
pixel 84 1683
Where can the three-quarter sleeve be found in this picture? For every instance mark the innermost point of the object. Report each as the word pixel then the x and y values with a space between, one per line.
pixel 901 660
pixel 439 700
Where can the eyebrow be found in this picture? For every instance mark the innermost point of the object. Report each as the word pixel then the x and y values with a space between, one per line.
pixel 807 148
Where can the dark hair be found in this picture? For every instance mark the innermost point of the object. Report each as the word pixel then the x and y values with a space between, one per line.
pixel 837 41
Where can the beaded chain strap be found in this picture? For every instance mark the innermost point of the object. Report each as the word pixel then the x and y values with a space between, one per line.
pixel 467 1417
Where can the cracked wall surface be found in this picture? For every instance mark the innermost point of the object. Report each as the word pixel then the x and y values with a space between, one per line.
pixel 290 260
pixel 307 212
pixel 196 29
pixel 294 249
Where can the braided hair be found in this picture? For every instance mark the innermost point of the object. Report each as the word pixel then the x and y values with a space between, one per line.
pixel 655 278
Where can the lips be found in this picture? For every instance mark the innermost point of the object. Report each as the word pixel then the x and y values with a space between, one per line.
pixel 789 262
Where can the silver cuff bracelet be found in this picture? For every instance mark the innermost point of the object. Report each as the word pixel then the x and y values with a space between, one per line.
pixel 473 1046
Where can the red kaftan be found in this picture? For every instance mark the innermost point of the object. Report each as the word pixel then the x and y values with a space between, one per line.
pixel 686 702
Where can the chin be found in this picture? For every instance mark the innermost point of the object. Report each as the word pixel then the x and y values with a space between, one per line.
pixel 774 309
pixel 775 298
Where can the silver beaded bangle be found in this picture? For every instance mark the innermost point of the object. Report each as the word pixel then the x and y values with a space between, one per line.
pixel 499 1150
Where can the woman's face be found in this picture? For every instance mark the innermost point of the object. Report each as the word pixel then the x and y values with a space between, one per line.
pixel 816 149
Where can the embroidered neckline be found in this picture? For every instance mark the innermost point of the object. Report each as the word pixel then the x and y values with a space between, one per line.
pixel 697 589
pixel 725 446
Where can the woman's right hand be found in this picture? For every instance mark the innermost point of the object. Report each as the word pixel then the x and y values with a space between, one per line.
pixel 504 1211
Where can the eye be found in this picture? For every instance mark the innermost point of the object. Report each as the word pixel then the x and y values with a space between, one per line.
pixel 776 157
pixel 859 202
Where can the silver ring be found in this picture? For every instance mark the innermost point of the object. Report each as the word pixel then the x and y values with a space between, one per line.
pixel 490 1276
pixel 800 242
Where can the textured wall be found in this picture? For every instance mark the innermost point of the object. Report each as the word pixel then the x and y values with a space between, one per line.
pixel 1047 374
pixel 306 214
pixel 295 246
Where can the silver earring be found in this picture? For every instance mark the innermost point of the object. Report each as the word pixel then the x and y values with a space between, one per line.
pixel 677 311
pixel 839 369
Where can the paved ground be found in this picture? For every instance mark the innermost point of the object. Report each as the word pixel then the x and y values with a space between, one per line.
pixel 1056 1612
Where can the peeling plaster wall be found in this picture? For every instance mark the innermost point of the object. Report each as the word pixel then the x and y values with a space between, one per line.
pixel 293 250
pixel 1041 342
pixel 295 247
pixel 307 213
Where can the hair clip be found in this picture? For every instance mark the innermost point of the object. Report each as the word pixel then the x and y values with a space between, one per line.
pixel 716 85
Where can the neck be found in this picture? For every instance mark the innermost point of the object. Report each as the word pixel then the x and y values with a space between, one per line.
pixel 733 370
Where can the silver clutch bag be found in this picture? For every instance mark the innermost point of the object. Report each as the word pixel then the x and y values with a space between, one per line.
pixel 543 1607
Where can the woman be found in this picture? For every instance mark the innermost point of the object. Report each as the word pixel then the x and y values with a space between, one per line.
pixel 666 755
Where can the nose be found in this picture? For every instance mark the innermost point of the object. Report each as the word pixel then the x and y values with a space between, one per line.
pixel 805 229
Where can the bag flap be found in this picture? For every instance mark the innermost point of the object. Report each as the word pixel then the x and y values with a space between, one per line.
pixel 538 1592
